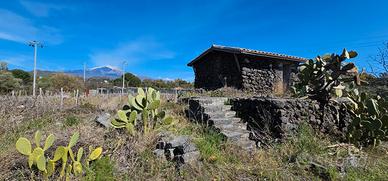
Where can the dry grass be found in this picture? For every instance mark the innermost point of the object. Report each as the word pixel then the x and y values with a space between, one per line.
pixel 303 157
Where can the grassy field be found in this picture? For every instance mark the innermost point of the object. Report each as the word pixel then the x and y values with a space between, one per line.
pixel 306 156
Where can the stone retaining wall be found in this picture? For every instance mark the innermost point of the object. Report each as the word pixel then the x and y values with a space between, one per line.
pixel 261 81
pixel 279 118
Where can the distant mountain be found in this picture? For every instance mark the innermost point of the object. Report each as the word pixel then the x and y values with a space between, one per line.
pixel 103 71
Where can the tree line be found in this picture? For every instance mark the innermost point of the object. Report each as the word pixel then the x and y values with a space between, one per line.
pixel 17 79
pixel 134 81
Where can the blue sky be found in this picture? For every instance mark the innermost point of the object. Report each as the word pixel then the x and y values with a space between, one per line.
pixel 158 38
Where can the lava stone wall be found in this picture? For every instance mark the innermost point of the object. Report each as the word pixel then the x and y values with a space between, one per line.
pixel 216 70
pixel 267 76
pixel 261 76
pixel 279 118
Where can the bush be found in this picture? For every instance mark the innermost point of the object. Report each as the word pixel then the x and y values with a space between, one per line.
pixel 101 170
pixel 209 145
pixel 130 81
pixel 71 121
pixel 23 75
pixel 8 82
pixel 67 82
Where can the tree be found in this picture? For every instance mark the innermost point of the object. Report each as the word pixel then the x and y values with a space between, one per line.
pixel 382 60
pixel 182 83
pixel 159 83
pixel 45 83
pixel 8 82
pixel 130 81
pixel 3 66
pixel 98 82
pixel 67 82
pixel 23 75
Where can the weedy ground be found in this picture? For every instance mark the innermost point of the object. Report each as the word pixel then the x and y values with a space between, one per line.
pixel 306 156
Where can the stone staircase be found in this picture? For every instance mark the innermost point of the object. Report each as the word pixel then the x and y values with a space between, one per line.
pixel 215 113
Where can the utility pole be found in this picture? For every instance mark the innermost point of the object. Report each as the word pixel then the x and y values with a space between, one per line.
pixel 35 44
pixel 122 89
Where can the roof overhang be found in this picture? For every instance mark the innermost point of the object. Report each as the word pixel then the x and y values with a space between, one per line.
pixel 235 50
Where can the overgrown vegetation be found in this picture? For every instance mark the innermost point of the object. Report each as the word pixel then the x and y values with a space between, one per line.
pixel 323 77
pixel 101 170
pixel 145 104
pixel 71 121
pixel 370 118
pixel 306 156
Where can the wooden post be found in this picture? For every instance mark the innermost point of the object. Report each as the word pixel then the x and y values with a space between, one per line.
pixel 40 92
pixel 176 96
pixel 76 97
pixel 61 99
pixel 13 93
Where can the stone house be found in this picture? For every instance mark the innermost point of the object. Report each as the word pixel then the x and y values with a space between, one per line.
pixel 250 70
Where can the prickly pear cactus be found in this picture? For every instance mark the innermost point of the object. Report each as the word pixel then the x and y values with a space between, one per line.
pixel 36 155
pixel 145 105
pixel 370 118
pixel 321 77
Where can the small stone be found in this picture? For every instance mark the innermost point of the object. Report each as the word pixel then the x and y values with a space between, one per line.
pixel 168 153
pixel 190 147
pixel 160 145
pixel 104 119
pixel 179 140
pixel 353 162
pixel 191 157
pixel 159 153
pixel 284 119
pixel 178 150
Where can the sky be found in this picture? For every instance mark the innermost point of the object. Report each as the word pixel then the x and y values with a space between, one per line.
pixel 158 38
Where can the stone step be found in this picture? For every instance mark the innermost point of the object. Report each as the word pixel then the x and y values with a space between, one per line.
pixel 209 100
pixel 214 113
pixel 215 108
pixel 221 114
pixel 246 144
pixel 231 126
pixel 235 134
pixel 217 121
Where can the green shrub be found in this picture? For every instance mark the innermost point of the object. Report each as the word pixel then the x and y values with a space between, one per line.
pixel 101 170
pixel 71 121
pixel 370 118
pixel 306 140
pixel 209 145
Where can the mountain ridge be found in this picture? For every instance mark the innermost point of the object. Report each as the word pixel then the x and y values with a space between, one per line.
pixel 108 72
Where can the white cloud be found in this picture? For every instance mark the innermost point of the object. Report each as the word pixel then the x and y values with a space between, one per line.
pixel 14 27
pixel 41 9
pixel 166 78
pixel 132 52
pixel 18 61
